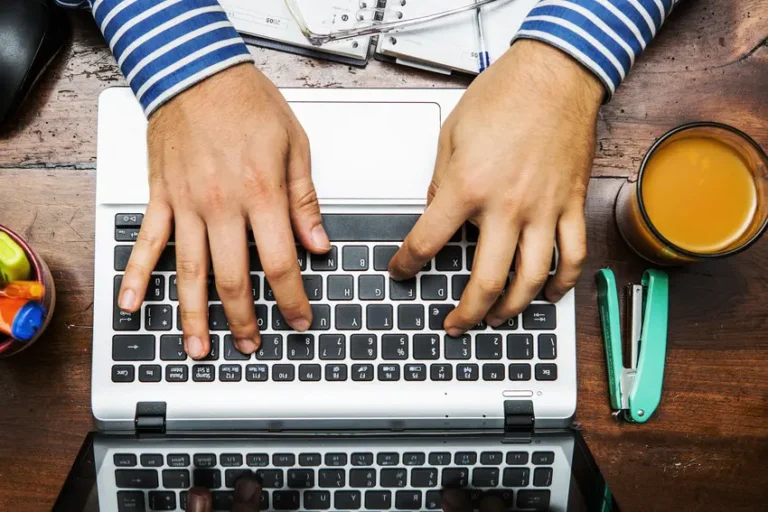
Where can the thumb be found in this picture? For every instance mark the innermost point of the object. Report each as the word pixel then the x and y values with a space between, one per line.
pixel 304 209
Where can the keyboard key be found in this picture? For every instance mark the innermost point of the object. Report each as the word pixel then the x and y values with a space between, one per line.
pixel 394 346
pixel 341 287
pixel 317 500
pixel 470 256
pixel 136 478
pixel 301 478
pixel 465 458
pixel 321 317
pixel 301 347
pixel 441 372
pixel 122 255
pixel 381 256
pixel 439 458
pixel 458 283
pixel 217 320
pixel 433 500
pixel 510 324
pixel 493 372
pixel 362 459
pixel 408 500
pixel 150 373
pixel 336 372
pixel 151 460
pixel 172 348
pixel 230 373
pixel 437 314
pixel 325 262
pixel 415 372
pixel 414 458
pixel 389 372
pixel 488 346
pixel 457 348
pixel 284 459
pixel 485 477
pixel 271 348
pixel 257 460
pixel 472 232
pixel 122 321
pixel 254 263
pixel 335 459
pixel 285 500
pixel 362 372
pixel 256 373
pixel 175 478
pixel 332 346
pixel 542 477
pixel 455 477
pixel 547 346
pixel 402 290
pixel 283 373
pixel 130 501
pixel 543 458
pixel 539 317
pixel 128 220
pixel 467 372
pixel 346 500
pixel 378 500
pixel 516 477
pixel 546 372
pixel 155 289
pixel 309 372
pixel 124 460
pixel 222 500
pixel 162 500
pixel 388 459
pixel 301 256
pixel 231 460
pixel 123 373
pixel 213 354
pixel 517 458
pixel 362 478
pixel 183 499
pixel 354 258
pixel 519 346
pixel 331 478
pixel 424 478
pixel 313 286
pixel 491 458
pixel 158 317
pixel 410 317
pixel 449 259
pixel 426 346
pixel 230 351
pixel 271 478
pixel 177 460
pixel 371 287
pixel 533 499
pixel 203 373
pixel 434 287
pixel 204 460
pixel 349 317
pixel 363 346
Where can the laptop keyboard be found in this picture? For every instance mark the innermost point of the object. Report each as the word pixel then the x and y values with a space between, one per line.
pixel 366 327
pixel 358 480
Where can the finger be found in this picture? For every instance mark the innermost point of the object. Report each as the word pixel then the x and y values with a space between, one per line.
pixel 192 281
pixel 535 255
pixel 247 496
pixel 493 259
pixel 434 228
pixel 229 255
pixel 153 236
pixel 455 500
pixel 277 251
pixel 199 500
pixel 444 154
pixel 572 249
pixel 304 208
pixel 491 504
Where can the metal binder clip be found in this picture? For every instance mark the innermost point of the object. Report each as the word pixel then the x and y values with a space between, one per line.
pixel 635 391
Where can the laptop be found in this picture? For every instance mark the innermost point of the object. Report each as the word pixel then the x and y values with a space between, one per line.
pixel 375 407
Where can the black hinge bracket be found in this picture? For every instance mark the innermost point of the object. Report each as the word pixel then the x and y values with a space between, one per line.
pixel 150 417
pixel 518 416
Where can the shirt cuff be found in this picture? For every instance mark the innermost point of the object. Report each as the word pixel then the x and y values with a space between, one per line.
pixel 165 47
pixel 606 36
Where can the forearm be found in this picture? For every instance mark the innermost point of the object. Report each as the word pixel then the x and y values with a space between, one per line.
pixel 165 47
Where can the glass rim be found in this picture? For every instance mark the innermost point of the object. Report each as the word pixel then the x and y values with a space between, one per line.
pixel 639 189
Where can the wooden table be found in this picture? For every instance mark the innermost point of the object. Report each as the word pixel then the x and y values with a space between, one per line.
pixel 707 447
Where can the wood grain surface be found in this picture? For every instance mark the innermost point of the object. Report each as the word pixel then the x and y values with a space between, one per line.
pixel 707 447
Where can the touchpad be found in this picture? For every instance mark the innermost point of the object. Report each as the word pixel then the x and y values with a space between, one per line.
pixel 371 151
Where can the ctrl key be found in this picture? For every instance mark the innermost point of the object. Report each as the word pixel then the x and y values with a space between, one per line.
pixel 123 373
pixel 130 501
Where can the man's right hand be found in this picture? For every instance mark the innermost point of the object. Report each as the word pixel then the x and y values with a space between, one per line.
pixel 222 155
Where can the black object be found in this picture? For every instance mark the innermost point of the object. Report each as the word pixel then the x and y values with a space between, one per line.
pixel 32 32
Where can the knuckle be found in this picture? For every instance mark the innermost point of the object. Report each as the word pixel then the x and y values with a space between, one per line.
pixel 259 184
pixel 304 197
pixel 281 269
pixel 490 287
pixel 230 285
pixel 574 258
pixel 418 249
pixel 190 317
pixel 137 268
pixel 533 278
pixel 190 269
pixel 152 241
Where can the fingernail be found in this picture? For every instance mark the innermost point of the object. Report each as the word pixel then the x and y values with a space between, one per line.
pixel 302 324
pixel 194 346
pixel 247 346
pixel 494 321
pixel 127 299
pixel 320 238
pixel 453 332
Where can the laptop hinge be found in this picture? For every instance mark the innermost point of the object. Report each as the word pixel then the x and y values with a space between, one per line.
pixel 150 417
pixel 518 417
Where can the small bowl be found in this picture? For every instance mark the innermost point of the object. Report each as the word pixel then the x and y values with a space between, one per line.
pixel 39 271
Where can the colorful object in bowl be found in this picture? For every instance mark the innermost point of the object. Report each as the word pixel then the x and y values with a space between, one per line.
pixel 14 265
pixel 21 318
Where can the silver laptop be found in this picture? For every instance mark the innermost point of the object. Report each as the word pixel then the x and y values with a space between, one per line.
pixel 376 357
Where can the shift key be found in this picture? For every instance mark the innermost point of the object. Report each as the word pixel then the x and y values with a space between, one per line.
pixel 133 347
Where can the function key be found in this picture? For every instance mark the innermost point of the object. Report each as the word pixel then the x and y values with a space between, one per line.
pixel 547 346
pixel 283 373
pixel 325 262
pixel 204 460
pixel 465 458
pixel 466 372
pixel 388 459
pixel 335 459
pixel 283 459
pixel 124 460
pixel 177 460
pixel 151 460
pixel 493 372
pixel 231 460
pixel 414 458
pixel 309 372
pixel 546 372
pixel 441 372
pixel 389 372
pixel 415 372
pixel 309 459
pixel 123 373
pixel 362 459
pixel 519 372
pixel 491 458
pixel 543 458
pixel 517 458
pixel 354 258
pixel 540 317
pixel 128 220
pixel 542 477
pixel 439 458
pixel 257 459
pixel 336 372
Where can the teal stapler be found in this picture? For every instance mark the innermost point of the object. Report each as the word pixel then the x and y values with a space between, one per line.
pixel 635 391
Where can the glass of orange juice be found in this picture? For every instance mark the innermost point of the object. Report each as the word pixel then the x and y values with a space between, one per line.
pixel 701 193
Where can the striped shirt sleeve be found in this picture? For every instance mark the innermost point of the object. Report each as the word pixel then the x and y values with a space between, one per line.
pixel 166 46
pixel 606 36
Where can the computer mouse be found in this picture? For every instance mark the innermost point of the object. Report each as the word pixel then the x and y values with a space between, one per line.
pixel 32 32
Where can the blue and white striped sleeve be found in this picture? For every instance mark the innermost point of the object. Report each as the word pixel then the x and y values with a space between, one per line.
pixel 165 46
pixel 604 35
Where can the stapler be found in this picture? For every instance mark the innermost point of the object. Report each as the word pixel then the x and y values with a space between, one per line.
pixel 635 391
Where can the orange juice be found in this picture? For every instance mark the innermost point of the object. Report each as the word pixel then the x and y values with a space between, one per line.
pixel 699 194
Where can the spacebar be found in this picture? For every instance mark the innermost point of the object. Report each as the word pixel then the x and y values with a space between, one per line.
pixel 368 227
